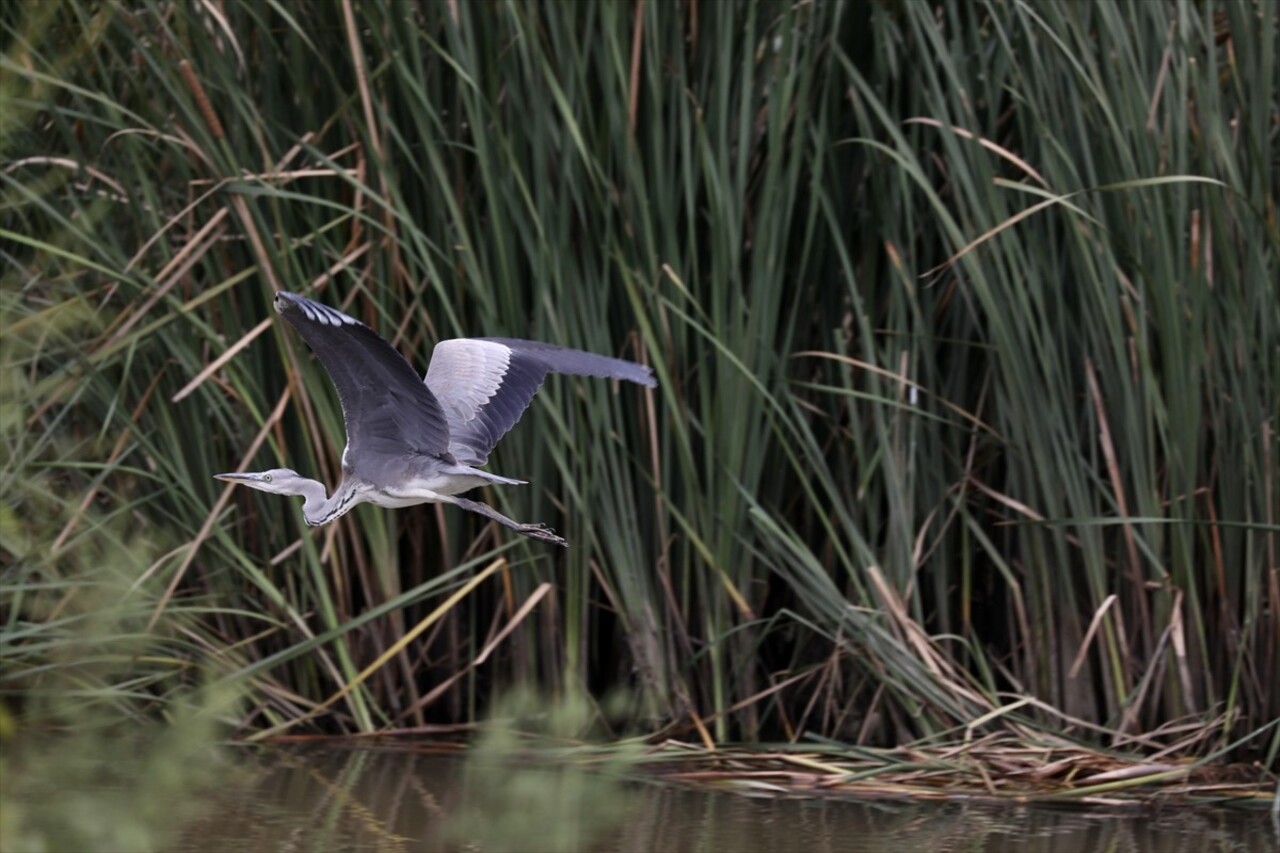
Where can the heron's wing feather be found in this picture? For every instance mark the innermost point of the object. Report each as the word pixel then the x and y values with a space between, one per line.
pixel 484 385
pixel 387 409
pixel 576 362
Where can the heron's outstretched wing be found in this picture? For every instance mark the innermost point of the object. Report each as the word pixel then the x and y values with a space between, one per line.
pixel 485 384
pixel 387 409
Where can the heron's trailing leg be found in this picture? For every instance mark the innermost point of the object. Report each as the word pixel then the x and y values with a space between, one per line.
pixel 534 531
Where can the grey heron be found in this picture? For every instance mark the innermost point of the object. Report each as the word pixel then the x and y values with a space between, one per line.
pixel 411 440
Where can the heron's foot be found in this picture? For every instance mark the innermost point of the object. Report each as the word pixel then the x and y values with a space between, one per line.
pixel 542 533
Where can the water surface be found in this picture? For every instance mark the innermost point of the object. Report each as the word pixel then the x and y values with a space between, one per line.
pixel 327 799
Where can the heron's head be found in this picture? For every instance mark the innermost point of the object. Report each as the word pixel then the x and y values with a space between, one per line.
pixel 278 481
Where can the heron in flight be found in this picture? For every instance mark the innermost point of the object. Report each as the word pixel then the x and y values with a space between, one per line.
pixel 411 440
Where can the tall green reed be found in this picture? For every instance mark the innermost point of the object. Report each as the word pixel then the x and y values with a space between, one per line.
pixel 919 451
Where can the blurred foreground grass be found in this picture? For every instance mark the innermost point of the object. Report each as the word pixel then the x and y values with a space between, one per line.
pixel 541 776
pixel 107 741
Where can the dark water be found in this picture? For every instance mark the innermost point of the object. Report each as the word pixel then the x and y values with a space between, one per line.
pixel 374 800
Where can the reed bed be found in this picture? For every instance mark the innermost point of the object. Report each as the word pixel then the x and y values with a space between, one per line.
pixel 1027 767
pixel 995 768
pixel 964 317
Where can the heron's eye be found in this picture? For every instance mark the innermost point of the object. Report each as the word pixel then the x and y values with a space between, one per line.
pixel 267 477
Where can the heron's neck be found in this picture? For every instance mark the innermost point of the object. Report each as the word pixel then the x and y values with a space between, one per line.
pixel 317 509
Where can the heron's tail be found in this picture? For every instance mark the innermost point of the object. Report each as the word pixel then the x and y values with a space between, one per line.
pixel 459 478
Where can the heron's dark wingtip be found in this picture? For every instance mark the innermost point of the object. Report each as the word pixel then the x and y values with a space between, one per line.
pixel 301 312
pixel 284 300
pixel 640 374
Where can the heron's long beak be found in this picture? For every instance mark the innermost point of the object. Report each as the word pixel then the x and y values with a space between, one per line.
pixel 242 477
